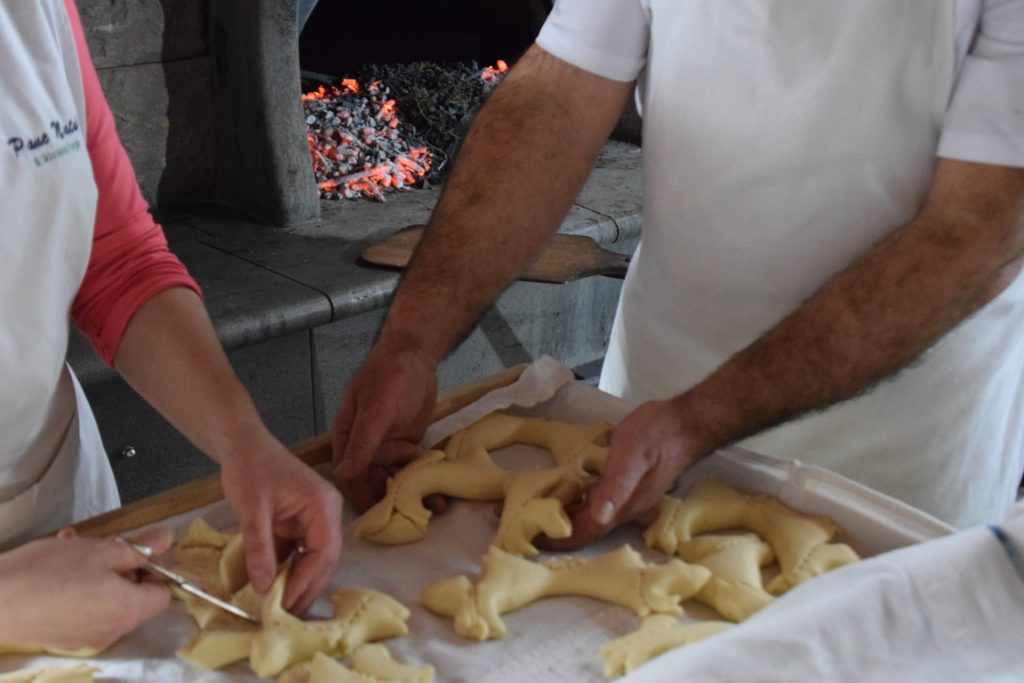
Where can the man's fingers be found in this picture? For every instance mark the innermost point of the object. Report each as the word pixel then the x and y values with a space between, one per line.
pixel 585 529
pixel 341 429
pixel 367 433
pixel 436 503
pixel 615 487
pixel 608 502
pixel 397 453
pixel 365 490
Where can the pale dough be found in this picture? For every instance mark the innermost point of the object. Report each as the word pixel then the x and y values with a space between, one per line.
pixel 800 542
pixel 508 582
pixel 735 589
pixel 464 469
pixel 281 639
pixel 370 664
pixel 76 673
pixel 657 634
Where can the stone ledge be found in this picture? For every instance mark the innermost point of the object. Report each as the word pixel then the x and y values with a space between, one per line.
pixel 261 282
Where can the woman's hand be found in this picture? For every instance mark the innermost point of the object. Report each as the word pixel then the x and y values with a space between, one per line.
pixel 282 506
pixel 71 593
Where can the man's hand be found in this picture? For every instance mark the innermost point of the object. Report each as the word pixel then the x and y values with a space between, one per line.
pixel 283 506
pixel 383 415
pixel 71 593
pixel 649 449
pixel 498 208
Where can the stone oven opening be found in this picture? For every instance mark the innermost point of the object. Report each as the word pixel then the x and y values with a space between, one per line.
pixel 208 95
pixel 390 88
pixel 341 37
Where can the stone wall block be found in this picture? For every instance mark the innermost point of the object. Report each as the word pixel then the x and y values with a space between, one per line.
pixel 163 114
pixel 128 32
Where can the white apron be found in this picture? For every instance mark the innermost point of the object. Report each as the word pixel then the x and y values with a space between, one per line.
pixel 783 139
pixel 53 469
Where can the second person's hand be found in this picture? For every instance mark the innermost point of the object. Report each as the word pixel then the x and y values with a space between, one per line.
pixel 383 415
pixel 649 449
pixel 283 507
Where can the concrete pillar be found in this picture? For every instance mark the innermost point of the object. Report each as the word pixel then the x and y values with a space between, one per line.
pixel 263 166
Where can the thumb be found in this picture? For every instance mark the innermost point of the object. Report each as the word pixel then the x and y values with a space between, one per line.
pixel 363 441
pixel 341 428
pixel 260 558
pixel 150 599
pixel 618 483
pixel 157 539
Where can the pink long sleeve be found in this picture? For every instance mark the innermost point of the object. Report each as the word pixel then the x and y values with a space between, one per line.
pixel 130 262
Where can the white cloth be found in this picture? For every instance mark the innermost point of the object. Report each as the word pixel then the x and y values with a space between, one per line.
pixel 49 209
pixel 951 609
pixel 784 139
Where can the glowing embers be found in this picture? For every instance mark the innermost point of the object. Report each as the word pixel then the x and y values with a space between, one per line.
pixel 366 141
pixel 494 74
pixel 357 143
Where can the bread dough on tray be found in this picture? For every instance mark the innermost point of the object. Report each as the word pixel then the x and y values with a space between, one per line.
pixel 508 582
pixel 465 469
pixel 657 634
pixel 801 543
pixel 360 615
pixel 75 673
pixel 735 589
pixel 370 664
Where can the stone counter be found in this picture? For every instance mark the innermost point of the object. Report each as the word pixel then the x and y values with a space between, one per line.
pixel 297 313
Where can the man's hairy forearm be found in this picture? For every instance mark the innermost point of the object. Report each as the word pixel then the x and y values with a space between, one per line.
pixel 879 314
pixel 523 162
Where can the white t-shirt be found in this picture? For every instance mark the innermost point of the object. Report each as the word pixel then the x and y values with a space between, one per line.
pixel 782 140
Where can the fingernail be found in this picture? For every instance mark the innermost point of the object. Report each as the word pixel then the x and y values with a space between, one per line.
pixel 144 550
pixel 604 513
pixel 260 580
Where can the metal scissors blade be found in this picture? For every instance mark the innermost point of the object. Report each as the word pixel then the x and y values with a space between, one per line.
pixel 186 585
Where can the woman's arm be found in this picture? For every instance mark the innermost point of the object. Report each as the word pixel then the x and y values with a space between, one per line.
pixel 142 312
pixel 171 356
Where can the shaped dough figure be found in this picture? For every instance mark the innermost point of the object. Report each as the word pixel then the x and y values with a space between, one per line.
pixel 465 469
pixel 360 615
pixel 77 673
pixel 735 589
pixel 657 634
pixel 370 664
pixel 508 582
pixel 281 639
pixel 800 542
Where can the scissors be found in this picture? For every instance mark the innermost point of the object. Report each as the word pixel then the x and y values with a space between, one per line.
pixel 184 584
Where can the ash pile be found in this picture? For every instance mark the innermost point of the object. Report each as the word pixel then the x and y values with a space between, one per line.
pixel 397 131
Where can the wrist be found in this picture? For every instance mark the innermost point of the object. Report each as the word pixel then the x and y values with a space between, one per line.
pixel 238 438
pixel 704 419
pixel 402 342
